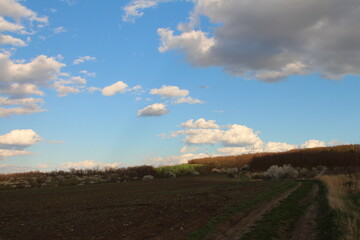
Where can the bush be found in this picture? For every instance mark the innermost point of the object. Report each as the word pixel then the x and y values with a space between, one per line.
pixel 284 172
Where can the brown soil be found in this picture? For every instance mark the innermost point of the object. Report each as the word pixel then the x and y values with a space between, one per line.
pixel 166 209
pixel 243 221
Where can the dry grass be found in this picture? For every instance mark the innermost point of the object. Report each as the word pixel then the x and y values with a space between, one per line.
pixel 344 195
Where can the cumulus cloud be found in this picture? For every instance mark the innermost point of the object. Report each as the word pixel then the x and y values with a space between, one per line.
pixel 252 40
pixel 26 106
pixel 6 26
pixel 40 71
pixel 14 11
pixel 9 40
pixel 188 100
pixel 118 87
pixel 169 91
pixel 312 143
pixel 233 139
pixel 200 123
pixel 88 164
pixel 21 78
pixel 178 95
pixel 16 141
pixel 154 110
pixel 84 59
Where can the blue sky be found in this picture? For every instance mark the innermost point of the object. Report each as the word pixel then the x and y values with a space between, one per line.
pixel 121 83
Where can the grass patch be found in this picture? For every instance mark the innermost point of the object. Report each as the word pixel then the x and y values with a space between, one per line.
pixel 285 213
pixel 343 194
pixel 326 223
pixel 228 212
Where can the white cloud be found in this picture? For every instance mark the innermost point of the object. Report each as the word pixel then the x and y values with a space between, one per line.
pixel 251 39
pixel 135 8
pixel 200 123
pixel 15 142
pixel 17 89
pixel 40 71
pixel 156 109
pixel 13 9
pixel 64 90
pixel 169 91
pixel 188 100
pixel 312 143
pixel 84 59
pixel 20 138
pixel 21 78
pixel 9 40
pixel 234 150
pixel 279 147
pixel 232 139
pixel 178 95
pixel 27 106
pixel 118 87
pixel 195 44
pixel 6 26
pixel 88 164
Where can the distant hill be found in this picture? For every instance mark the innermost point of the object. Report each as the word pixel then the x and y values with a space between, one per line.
pixel 343 156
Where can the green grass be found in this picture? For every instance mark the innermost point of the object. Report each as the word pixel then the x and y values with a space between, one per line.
pixel 326 219
pixel 179 170
pixel 228 212
pixel 285 214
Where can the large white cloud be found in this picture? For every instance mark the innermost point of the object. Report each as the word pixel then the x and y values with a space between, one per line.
pixel 231 139
pixel 40 72
pixel 16 141
pixel 154 110
pixel 271 40
pixel 20 78
pixel 12 10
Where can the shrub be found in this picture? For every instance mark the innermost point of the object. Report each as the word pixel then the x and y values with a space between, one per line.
pixel 284 172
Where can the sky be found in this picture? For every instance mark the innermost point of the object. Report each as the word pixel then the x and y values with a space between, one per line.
pixel 87 83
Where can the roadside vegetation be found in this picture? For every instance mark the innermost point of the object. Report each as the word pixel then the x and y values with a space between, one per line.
pixel 344 198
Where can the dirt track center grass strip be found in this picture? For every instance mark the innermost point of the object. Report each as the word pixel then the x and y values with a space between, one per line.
pixel 286 213
pixel 227 212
